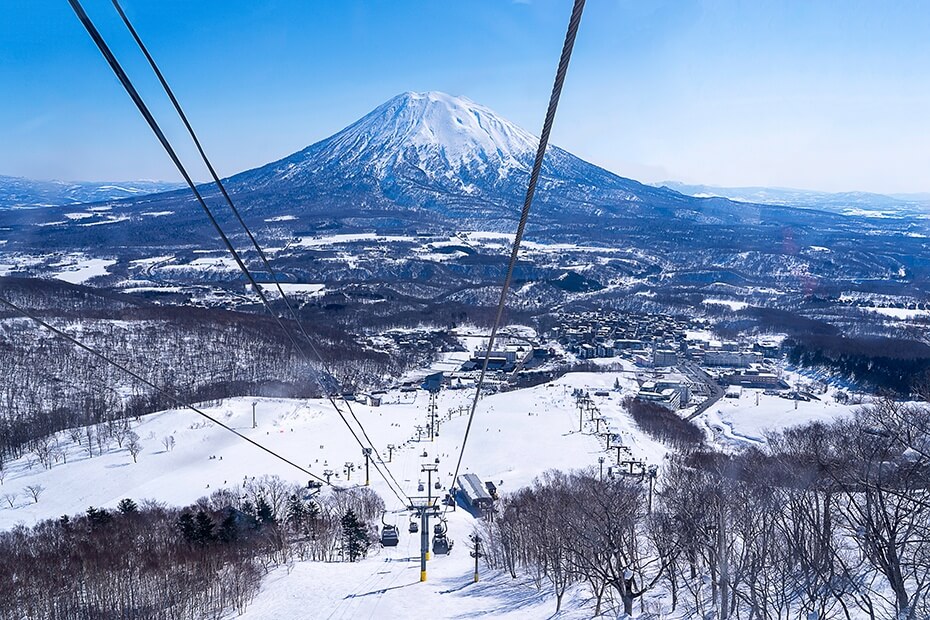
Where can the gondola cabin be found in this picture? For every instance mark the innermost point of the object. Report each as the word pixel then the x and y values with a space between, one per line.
pixel 389 536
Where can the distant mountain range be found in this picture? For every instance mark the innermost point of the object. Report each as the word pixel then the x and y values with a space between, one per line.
pixel 18 192
pixel 849 203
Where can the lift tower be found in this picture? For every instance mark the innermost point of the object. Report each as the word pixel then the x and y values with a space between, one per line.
pixel 425 508
pixel 366 452
pixel 433 410
pixel 429 468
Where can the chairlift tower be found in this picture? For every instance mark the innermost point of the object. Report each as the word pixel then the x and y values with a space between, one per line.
pixel 432 411
pixel 652 473
pixel 476 541
pixel 429 468
pixel 366 452
pixel 424 508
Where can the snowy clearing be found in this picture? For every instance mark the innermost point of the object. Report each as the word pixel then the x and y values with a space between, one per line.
pixel 84 270
pixel 732 304
pixel 292 288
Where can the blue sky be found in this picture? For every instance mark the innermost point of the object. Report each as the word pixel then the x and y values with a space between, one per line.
pixel 821 95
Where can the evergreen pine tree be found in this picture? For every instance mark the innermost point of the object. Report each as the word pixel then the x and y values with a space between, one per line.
pixel 187 527
pixel 229 531
pixel 248 507
pixel 263 512
pixel 204 527
pixel 127 507
pixel 354 537
pixel 98 517
pixel 296 513
pixel 313 512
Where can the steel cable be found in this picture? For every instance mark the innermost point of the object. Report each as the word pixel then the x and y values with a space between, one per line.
pixel 567 47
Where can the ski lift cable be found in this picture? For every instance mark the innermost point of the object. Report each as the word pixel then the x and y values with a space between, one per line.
pixel 239 218
pixel 143 109
pixel 173 397
pixel 216 179
pixel 156 129
pixel 397 492
pixel 377 454
pixel 567 47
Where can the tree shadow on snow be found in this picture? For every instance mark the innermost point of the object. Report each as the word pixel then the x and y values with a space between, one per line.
pixel 383 590
pixel 502 592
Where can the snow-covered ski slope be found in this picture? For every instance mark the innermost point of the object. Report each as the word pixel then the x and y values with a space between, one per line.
pixel 515 437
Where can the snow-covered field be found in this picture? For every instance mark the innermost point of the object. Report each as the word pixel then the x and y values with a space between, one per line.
pixel 742 421
pixel 292 288
pixel 84 269
pixel 732 304
pixel 515 437
pixel 900 313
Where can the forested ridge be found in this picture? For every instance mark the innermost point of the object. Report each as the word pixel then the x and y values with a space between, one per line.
pixel 197 354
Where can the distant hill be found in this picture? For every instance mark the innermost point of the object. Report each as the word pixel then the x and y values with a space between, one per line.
pixel 847 203
pixel 18 192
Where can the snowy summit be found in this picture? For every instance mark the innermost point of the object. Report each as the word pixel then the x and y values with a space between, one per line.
pixel 436 132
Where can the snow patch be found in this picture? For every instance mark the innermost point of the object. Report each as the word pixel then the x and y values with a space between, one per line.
pixel 83 271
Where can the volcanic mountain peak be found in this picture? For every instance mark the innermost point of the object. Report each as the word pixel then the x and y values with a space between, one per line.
pixel 438 133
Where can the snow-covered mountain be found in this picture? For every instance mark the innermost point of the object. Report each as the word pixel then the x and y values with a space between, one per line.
pixel 19 192
pixel 437 133
pixel 445 154
pixel 433 163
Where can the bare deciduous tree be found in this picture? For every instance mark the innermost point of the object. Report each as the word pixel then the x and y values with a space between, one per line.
pixel 35 490
pixel 134 446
